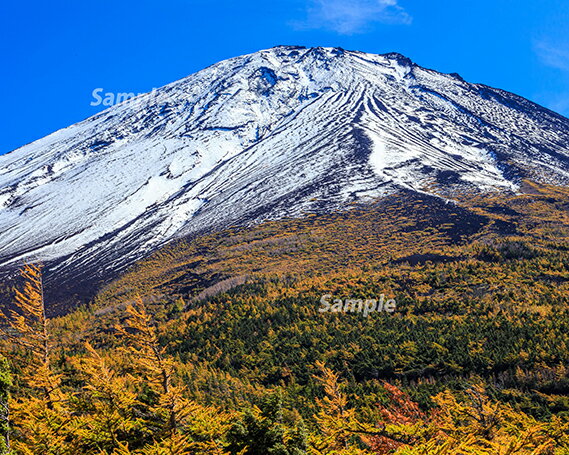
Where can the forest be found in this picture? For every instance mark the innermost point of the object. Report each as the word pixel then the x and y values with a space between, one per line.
pixel 215 345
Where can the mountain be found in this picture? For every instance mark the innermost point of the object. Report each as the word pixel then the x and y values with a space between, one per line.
pixel 274 134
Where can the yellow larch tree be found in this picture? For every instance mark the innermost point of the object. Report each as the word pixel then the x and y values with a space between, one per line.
pixel 39 417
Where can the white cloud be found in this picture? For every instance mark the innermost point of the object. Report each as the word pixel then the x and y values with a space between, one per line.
pixel 551 55
pixel 348 17
pixel 555 55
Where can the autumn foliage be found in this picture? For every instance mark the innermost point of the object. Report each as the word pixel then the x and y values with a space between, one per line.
pixel 216 346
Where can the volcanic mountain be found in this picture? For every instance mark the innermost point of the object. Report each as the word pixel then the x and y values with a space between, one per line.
pixel 278 133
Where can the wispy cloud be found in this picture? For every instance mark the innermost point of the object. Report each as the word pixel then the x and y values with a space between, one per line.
pixel 555 56
pixel 348 17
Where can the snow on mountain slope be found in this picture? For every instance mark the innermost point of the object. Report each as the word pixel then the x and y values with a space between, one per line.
pixel 275 133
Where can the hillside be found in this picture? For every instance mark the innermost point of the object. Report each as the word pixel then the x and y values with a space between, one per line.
pixel 191 272
pixel 265 136
pixel 480 329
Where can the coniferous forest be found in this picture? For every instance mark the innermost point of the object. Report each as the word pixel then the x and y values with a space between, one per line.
pixel 216 345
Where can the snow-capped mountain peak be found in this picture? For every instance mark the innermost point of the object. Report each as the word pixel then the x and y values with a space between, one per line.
pixel 276 133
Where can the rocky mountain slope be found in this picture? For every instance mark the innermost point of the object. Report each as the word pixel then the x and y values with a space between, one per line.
pixel 273 134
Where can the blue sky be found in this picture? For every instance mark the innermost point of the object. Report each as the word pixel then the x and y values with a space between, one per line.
pixel 55 53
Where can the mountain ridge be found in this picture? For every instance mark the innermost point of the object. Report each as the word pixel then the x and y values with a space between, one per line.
pixel 276 133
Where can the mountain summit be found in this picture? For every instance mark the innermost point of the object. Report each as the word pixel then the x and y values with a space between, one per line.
pixel 277 133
